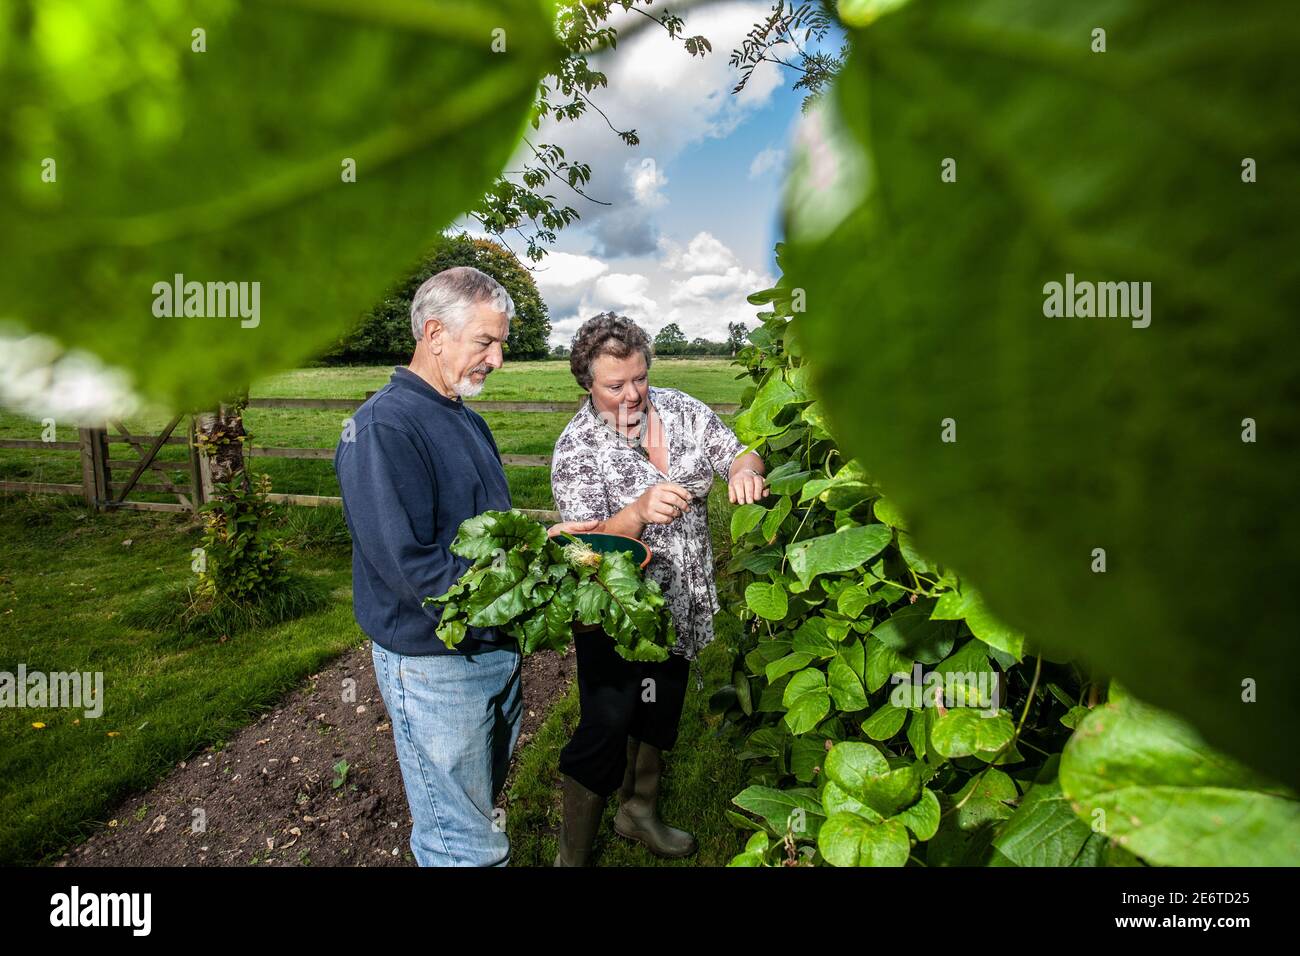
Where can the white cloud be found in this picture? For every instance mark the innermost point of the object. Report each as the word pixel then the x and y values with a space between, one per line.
pixel 564 278
pixel 704 253
pixel 622 292
pixel 766 161
pixel 715 289
pixel 705 289
pixel 627 231
pixel 672 100
pixel 703 284
pixel 647 181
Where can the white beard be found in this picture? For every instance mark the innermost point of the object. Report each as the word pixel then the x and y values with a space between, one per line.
pixel 467 388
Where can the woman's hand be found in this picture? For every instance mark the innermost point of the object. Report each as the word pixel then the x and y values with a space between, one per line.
pixel 571 527
pixel 746 487
pixel 662 503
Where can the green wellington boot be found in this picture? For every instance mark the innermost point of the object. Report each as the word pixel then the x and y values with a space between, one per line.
pixel 582 812
pixel 638 817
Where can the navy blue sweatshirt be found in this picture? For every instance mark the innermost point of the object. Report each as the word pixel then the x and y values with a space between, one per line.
pixel 418 465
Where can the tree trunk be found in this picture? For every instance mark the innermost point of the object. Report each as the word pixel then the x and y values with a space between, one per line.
pixel 221 435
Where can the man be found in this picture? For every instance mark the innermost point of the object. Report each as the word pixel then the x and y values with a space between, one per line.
pixel 419 462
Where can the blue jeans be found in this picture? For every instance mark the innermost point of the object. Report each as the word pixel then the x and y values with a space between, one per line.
pixel 455 722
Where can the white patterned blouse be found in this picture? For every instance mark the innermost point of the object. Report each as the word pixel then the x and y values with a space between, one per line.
pixel 595 474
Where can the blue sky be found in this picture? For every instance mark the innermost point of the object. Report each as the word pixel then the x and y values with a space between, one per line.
pixel 695 211
pixel 711 188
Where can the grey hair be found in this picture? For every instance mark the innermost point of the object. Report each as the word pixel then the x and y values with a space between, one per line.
pixel 450 295
pixel 606 334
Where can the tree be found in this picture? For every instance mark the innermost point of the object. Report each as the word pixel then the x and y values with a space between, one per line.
pixel 384 334
pixel 736 334
pixel 670 340
pixel 792 29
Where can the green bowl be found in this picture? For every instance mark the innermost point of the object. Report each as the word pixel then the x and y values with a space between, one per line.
pixel 605 543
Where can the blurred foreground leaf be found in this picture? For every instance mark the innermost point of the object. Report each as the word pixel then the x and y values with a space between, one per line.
pixel 925 313
pixel 228 165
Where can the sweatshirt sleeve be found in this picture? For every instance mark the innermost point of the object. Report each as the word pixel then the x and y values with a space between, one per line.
pixel 390 496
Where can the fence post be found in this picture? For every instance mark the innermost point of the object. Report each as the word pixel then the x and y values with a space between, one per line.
pixel 94 466
pixel 200 476
pixel 202 422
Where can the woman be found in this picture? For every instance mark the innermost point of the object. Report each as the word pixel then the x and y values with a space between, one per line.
pixel 639 461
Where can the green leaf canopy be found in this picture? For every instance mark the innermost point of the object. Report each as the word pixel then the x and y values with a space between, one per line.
pixel 228 165
pixel 980 150
pixel 1150 783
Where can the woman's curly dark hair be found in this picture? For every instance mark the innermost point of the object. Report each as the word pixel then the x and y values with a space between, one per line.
pixel 606 334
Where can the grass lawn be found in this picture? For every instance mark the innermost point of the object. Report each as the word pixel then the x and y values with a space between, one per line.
pixel 516 433
pixel 66 576
pixel 709 380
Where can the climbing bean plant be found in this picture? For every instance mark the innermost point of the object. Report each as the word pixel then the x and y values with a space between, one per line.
pixel 887 718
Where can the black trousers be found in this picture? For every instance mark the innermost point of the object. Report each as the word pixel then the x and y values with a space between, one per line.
pixel 620 699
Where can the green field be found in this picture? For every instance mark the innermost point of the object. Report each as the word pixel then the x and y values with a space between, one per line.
pixel 516 433
pixel 66 576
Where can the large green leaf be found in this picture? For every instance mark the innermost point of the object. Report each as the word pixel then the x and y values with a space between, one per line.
pixel 967 604
pixel 862 772
pixel 911 632
pixel 787 479
pixel 843 550
pixel 744 519
pixel 978 809
pixel 1150 782
pixel 1043 831
pixel 807 700
pixel 1076 434
pixel 767 600
pixel 884 723
pixel 777 806
pixel 844 676
pixel 964 732
pixel 483 536
pixel 883 662
pixel 922 817
pixel 852 764
pixel 837 800
pixel 500 596
pixel 756 420
pixel 773 518
pixel 806 756
pixel 890 792
pixel 228 165
pixel 813 638
pixel 847 839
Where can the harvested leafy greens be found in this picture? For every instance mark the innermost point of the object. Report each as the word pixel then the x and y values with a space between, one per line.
pixel 534 587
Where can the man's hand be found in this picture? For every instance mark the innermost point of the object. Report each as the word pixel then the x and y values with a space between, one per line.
pixel 746 487
pixel 571 527
pixel 662 503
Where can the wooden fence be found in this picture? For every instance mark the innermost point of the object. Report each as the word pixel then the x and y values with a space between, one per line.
pixel 103 492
